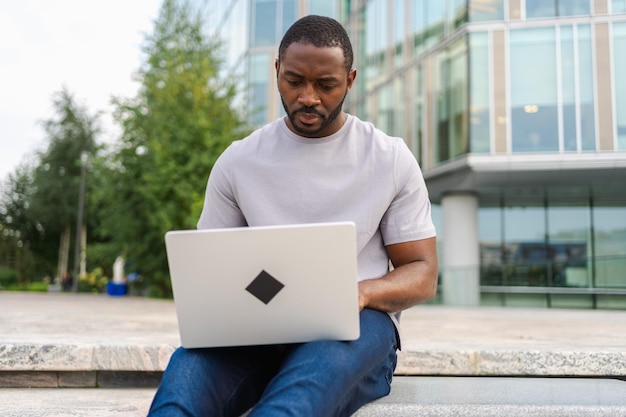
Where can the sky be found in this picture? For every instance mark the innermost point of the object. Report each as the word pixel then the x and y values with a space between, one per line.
pixel 90 47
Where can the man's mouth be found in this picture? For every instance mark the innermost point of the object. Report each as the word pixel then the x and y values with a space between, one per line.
pixel 308 118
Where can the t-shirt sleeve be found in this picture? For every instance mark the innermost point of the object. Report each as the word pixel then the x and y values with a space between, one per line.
pixel 408 217
pixel 220 207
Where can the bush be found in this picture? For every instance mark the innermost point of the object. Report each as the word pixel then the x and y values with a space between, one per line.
pixel 8 277
pixel 94 281
pixel 39 286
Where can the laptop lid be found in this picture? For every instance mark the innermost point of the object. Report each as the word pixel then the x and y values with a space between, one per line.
pixel 265 285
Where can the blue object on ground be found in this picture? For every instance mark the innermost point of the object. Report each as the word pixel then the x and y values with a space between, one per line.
pixel 116 290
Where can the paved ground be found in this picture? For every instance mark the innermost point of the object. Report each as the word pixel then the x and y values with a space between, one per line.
pixel 67 332
pixel 83 318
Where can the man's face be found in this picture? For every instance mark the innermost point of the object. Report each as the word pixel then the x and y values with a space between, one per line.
pixel 313 82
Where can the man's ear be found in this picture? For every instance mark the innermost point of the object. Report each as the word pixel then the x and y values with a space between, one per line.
pixel 277 65
pixel 351 77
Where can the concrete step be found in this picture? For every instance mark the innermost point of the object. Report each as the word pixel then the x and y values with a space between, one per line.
pixel 75 402
pixel 498 396
pixel 81 337
pixel 411 396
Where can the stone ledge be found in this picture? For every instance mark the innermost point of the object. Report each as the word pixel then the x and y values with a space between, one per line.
pixel 512 363
pixel 144 358
pixel 80 379
pixel 68 357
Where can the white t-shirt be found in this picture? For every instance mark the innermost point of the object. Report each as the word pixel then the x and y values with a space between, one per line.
pixel 358 174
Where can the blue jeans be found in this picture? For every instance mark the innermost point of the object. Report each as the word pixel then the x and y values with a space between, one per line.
pixel 325 378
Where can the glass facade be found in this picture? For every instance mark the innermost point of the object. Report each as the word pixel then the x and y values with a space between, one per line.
pixel 485 92
pixel 471 86
pixel 551 107
pixel 556 242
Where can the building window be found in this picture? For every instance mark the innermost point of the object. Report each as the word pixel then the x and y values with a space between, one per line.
pixel 573 7
pixel 486 10
pixel 441 107
pixel 385 119
pixel 398 33
pixel 419 25
pixel 400 96
pixel 554 8
pixel 375 42
pixel 415 118
pixel 609 232
pixel 540 8
pixel 457 13
pixel 577 91
pixel 323 7
pixel 569 245
pixel 451 112
pixel 259 70
pixel 568 88
pixel 288 14
pixel 533 84
pixel 429 24
pixel 555 240
pixel 458 91
pixel 263 23
pixel 586 105
pixel 435 15
pixel 524 244
pixel 619 63
pixel 492 250
pixel 479 108
pixel 618 6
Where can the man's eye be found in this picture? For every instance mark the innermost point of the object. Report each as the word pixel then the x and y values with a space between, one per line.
pixel 294 82
pixel 327 87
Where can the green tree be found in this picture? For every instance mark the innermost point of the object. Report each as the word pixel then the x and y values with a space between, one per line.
pixel 17 231
pixel 53 204
pixel 173 131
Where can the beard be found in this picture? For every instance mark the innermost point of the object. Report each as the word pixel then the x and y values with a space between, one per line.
pixel 326 120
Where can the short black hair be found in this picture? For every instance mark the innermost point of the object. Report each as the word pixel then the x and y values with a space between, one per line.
pixel 319 31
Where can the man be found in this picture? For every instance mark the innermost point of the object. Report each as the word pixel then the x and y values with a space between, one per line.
pixel 318 164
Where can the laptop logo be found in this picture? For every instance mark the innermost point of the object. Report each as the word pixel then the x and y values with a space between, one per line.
pixel 265 287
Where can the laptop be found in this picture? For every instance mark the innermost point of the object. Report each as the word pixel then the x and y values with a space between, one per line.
pixel 265 285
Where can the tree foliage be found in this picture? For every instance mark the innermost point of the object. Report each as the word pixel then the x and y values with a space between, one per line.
pixel 172 133
pixel 71 133
pixel 17 231
pixel 39 202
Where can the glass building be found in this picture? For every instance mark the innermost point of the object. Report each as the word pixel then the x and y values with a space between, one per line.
pixel 516 112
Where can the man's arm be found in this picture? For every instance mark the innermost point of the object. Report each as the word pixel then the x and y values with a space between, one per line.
pixel 412 281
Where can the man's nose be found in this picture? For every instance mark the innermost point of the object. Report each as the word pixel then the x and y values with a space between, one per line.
pixel 308 96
